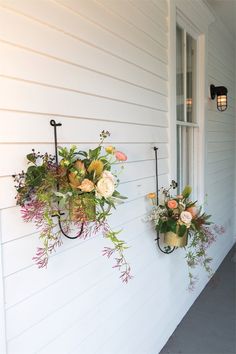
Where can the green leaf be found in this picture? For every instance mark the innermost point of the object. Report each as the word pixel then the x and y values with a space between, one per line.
pixel 111 203
pixel 83 153
pixel 94 154
pixel 171 225
pixel 31 157
pixel 181 230
pixel 190 204
pixel 164 227
pixel 117 195
pixel 34 175
pixel 187 191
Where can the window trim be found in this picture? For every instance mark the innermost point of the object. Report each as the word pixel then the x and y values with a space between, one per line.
pixel 197 26
pixel 187 132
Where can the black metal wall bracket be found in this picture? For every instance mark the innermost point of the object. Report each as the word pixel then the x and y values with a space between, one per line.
pixel 55 125
pixel 167 249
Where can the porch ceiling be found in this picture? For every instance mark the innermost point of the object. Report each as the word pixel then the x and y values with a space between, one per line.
pixel 226 10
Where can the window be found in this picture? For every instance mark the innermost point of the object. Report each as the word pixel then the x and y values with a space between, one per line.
pixel 187 129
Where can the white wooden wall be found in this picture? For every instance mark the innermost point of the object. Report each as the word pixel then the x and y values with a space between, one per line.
pixel 220 167
pixel 235 146
pixel 91 65
pixel 94 65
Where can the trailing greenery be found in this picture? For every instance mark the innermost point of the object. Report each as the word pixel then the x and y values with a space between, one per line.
pixel 180 215
pixel 80 191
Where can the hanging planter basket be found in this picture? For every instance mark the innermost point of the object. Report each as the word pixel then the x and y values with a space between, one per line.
pixel 72 197
pixel 173 240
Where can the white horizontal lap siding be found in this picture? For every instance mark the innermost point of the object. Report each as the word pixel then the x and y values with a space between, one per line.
pixel 221 137
pixel 58 39
pixel 91 65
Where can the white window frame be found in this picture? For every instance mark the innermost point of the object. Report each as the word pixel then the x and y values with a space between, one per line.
pixel 193 127
pixel 196 19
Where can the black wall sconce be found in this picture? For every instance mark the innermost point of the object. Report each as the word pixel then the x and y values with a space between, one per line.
pixel 221 93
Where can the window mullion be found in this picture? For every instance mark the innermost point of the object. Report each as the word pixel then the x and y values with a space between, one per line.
pixel 180 177
pixel 184 156
pixel 185 73
pixel 196 160
pixel 191 156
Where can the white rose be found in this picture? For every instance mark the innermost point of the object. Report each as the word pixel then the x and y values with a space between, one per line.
pixel 108 174
pixel 186 217
pixel 105 187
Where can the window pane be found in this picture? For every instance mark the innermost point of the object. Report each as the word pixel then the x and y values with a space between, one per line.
pixel 185 158
pixel 190 77
pixel 179 74
pixel 179 162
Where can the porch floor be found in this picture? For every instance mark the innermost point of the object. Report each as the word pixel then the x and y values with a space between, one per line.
pixel 209 327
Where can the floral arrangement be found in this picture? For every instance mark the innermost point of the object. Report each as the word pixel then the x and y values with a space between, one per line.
pixel 78 193
pixel 183 220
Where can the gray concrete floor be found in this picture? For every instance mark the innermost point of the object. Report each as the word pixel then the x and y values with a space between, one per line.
pixel 209 327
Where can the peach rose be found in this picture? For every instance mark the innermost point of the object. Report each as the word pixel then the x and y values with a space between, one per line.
pixel 172 204
pixel 192 210
pixel 86 185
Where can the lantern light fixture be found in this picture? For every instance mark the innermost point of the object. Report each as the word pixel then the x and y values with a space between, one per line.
pixel 220 92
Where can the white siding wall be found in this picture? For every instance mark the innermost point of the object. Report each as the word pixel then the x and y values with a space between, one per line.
pixel 235 144
pixel 94 65
pixel 91 66
pixel 220 167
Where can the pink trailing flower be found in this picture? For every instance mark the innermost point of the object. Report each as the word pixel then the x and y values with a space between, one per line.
pixel 33 210
pixel 108 251
pixel 42 254
pixel 210 236
pixel 90 229
pixel 124 268
pixel 121 263
pixel 126 276
pixel 192 282
pixel 120 156
pixel 219 229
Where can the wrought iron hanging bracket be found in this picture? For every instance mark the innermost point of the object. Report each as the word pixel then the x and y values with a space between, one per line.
pixel 167 249
pixel 55 125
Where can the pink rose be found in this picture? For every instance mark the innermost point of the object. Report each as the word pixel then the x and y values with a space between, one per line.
pixel 192 210
pixel 120 156
pixel 172 204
